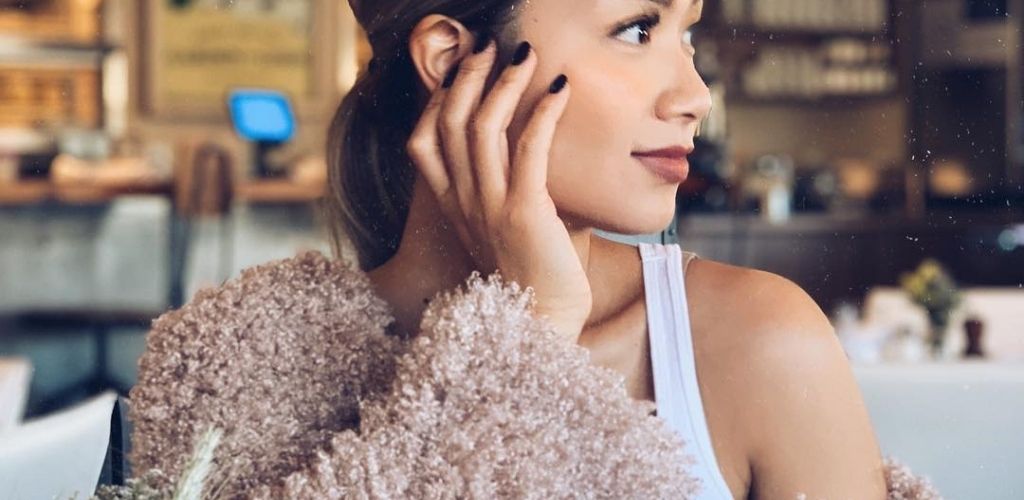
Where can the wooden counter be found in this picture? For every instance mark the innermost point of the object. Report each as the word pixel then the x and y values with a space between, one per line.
pixel 277 191
pixel 840 257
pixel 41 191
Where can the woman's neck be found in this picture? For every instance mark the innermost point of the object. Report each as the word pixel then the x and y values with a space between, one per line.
pixel 431 259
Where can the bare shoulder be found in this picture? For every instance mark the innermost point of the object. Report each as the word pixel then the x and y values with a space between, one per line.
pixel 756 320
pixel 766 303
pixel 764 341
pixel 761 327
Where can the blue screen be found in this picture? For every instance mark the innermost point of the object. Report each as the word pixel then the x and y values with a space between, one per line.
pixel 262 115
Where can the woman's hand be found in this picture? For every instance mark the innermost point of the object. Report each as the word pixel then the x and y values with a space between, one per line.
pixel 499 202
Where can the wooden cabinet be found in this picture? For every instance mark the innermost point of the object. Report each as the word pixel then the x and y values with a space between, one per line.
pixel 46 97
pixel 51 57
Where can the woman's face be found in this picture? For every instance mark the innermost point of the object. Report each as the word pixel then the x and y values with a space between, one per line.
pixel 634 88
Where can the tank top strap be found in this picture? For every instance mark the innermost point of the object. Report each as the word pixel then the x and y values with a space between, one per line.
pixel 650 251
pixel 673 361
pixel 687 258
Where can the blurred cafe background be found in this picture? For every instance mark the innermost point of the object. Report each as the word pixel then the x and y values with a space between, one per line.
pixel 872 151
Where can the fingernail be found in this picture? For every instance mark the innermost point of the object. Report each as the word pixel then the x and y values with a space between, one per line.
pixel 482 42
pixel 449 79
pixel 558 84
pixel 522 52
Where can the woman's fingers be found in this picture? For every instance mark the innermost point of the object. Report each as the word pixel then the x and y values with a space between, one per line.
pixel 489 140
pixel 457 114
pixel 425 150
pixel 424 147
pixel 530 157
pixel 461 146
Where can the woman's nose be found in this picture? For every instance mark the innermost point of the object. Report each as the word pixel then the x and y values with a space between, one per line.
pixel 687 98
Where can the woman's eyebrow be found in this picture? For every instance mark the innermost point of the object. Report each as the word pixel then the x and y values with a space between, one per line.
pixel 668 3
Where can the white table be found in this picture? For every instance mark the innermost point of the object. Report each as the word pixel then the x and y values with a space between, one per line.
pixel 1000 308
pixel 960 423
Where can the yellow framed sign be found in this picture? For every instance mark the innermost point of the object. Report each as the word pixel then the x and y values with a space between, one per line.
pixel 197 50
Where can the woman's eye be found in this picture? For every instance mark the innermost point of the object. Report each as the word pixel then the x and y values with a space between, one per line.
pixel 638 32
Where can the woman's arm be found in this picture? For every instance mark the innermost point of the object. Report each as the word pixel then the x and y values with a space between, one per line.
pixel 812 433
pixel 277 358
pixel 490 402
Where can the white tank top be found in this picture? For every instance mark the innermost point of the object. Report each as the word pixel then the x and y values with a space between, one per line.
pixel 676 393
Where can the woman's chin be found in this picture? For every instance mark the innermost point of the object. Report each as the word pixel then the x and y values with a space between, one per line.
pixel 632 223
pixel 631 215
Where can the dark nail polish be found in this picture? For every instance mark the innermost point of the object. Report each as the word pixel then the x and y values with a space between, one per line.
pixel 558 84
pixel 482 42
pixel 449 79
pixel 522 52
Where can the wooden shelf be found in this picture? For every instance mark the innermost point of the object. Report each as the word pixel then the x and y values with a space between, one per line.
pixel 278 191
pixel 14 43
pixel 747 34
pixel 29 192
pixel 82 195
pixel 740 98
pixel 745 48
pixel 42 191
pixel 25 192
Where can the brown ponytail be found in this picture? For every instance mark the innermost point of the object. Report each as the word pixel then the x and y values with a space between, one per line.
pixel 370 176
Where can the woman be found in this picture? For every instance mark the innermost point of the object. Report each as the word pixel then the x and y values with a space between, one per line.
pixel 772 377
pixel 493 137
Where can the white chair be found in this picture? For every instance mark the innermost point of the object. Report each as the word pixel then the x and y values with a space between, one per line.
pixel 961 424
pixel 58 456
pixel 1001 310
pixel 15 374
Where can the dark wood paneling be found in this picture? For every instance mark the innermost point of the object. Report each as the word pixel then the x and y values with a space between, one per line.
pixel 841 258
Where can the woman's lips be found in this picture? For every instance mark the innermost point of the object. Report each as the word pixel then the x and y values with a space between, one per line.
pixel 671 169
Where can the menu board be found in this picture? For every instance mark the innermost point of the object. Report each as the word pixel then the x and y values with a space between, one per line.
pixel 200 49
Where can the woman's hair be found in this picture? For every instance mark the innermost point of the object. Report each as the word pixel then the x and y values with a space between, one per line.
pixel 370 176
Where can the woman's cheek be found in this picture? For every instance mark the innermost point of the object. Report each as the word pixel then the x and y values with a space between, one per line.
pixel 604 104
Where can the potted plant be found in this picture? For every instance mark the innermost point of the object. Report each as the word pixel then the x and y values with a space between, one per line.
pixel 931 287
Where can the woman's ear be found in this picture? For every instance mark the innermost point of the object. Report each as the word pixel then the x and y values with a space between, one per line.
pixel 435 45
